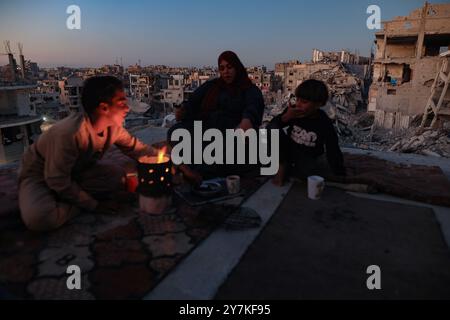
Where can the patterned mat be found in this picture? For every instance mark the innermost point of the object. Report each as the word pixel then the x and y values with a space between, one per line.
pixel 121 256
pixel 415 182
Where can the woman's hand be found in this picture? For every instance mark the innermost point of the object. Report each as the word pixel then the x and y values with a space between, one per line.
pixel 191 175
pixel 245 124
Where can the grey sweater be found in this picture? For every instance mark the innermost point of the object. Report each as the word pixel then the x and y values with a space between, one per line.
pixel 67 148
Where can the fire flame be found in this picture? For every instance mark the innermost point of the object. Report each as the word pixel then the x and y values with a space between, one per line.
pixel 160 158
pixel 161 154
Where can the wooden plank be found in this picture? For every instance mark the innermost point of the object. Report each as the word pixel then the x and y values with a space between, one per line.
pixel 444 77
pixel 389 120
pixel 379 118
pixel 405 122
pixel 441 99
pixel 444 111
pixel 432 105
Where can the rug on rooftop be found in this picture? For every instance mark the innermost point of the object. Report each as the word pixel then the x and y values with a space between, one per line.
pixel 121 256
pixel 415 182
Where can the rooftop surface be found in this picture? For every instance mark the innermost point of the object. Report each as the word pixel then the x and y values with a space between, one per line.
pixel 307 249
pixel 12 121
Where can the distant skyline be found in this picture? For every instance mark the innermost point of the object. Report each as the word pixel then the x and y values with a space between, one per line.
pixel 189 32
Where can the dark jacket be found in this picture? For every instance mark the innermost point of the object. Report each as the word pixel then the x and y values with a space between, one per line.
pixel 230 110
pixel 310 136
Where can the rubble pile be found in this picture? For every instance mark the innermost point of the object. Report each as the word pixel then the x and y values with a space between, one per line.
pixel 356 130
pixel 430 143
pixel 345 88
pixel 345 98
pixel 355 126
pixel 271 111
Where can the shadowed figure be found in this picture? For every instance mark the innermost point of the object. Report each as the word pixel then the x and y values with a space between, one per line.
pixel 228 102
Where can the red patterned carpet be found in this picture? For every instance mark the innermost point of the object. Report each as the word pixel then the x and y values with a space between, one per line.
pixel 121 256
pixel 124 256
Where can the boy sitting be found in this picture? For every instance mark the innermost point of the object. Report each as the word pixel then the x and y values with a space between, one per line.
pixel 309 132
pixel 59 175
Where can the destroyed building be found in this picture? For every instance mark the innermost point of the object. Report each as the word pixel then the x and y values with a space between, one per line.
pixel 261 78
pixel 347 83
pixel 141 87
pixel 70 93
pixel 174 94
pixel 196 79
pixel 281 68
pixel 406 64
pixel 342 56
pixel 19 122
pixel 346 86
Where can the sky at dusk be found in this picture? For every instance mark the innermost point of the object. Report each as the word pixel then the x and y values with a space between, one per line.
pixel 189 32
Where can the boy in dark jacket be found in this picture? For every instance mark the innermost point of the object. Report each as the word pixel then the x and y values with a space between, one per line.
pixel 309 134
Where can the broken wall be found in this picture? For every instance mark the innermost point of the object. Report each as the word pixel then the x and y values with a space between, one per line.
pixel 395 70
pixel 403 26
pixel 435 21
pixel 396 105
pixel 401 83
pixel 407 50
pixel 8 102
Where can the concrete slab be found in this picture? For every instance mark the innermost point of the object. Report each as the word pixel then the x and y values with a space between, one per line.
pixel 442 213
pixel 321 250
pixel 207 267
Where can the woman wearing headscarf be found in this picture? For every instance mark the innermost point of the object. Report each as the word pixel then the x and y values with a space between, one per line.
pixel 231 101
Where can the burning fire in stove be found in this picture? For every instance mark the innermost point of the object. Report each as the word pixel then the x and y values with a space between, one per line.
pixel 161 155
pixel 160 158
pixel 155 176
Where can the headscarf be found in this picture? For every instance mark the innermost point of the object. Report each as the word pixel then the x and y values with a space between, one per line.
pixel 241 82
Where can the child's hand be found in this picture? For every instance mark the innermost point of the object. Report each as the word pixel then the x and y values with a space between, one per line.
pixel 292 113
pixel 191 175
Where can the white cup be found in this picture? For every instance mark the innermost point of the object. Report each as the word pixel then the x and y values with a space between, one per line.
pixel 233 184
pixel 316 185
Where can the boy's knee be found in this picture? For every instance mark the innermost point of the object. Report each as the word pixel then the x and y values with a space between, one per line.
pixel 39 209
pixel 103 177
pixel 47 219
pixel 36 219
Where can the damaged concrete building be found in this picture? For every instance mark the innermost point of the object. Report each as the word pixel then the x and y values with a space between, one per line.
pixel 346 86
pixel 141 87
pixel 70 93
pixel 342 56
pixel 406 63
